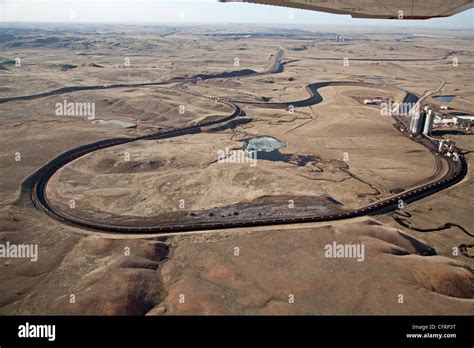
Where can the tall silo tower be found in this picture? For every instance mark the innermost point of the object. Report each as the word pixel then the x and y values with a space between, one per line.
pixel 429 122
pixel 417 121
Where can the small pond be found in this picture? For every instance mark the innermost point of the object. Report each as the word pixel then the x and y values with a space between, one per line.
pixel 445 98
pixel 268 148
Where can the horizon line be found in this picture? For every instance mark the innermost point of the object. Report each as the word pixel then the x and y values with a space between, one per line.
pixel 179 23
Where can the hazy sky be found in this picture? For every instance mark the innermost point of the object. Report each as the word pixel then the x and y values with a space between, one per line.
pixel 190 11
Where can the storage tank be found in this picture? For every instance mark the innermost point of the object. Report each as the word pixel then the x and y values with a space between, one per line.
pixel 429 120
pixel 417 121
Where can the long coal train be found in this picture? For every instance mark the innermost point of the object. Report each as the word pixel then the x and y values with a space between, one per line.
pixel 34 187
pixel 459 170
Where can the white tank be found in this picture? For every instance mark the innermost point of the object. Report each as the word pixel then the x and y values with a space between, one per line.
pixel 429 123
pixel 416 124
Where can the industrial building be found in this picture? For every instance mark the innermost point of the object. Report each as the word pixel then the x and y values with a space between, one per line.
pixel 450 121
pixel 464 120
pixel 376 101
pixel 444 121
pixel 422 121
pixel 447 147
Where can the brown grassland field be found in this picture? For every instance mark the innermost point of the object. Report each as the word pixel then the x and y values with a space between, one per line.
pixel 355 157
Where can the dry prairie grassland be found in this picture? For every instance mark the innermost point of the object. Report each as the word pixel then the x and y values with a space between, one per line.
pixel 337 155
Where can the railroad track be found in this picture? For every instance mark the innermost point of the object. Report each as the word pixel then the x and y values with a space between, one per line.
pixel 274 67
pixel 33 189
pixel 457 172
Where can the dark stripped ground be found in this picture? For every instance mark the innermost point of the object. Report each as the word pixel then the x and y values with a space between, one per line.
pixel 260 208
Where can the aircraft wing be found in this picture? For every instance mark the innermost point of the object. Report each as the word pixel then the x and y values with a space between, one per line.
pixel 386 9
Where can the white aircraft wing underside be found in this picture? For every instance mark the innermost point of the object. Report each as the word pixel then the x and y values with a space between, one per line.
pixel 388 9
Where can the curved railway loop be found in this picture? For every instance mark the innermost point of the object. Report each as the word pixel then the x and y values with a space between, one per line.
pixel 33 189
